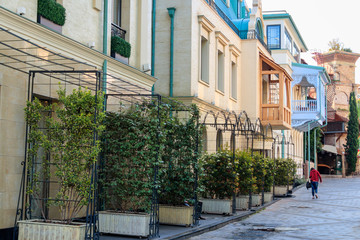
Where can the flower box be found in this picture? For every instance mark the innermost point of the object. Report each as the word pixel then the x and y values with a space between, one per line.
pixel 242 202
pixel 174 215
pixel 255 200
pixel 281 191
pixel 49 24
pixel 217 206
pixel 132 224
pixel 39 230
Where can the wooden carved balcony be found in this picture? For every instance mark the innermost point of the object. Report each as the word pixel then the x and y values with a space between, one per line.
pixel 275 95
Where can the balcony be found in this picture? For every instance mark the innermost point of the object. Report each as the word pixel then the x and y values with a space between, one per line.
pixel 308 94
pixel 117 31
pixel 275 95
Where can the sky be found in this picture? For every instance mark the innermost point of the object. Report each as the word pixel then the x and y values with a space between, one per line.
pixel 320 21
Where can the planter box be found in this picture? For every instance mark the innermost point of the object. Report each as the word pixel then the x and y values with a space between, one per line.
pixel 124 223
pixel 173 215
pixel 120 58
pixel 34 229
pixel 242 202
pixel 268 197
pixel 217 206
pixel 255 200
pixel 280 191
pixel 49 24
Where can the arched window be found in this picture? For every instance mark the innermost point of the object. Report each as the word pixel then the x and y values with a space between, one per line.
pixel 259 29
pixel 232 142
pixel 204 141
pixel 219 140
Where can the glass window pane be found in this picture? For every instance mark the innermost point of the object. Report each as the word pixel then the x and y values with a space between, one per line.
pixel 288 41
pixel 273 36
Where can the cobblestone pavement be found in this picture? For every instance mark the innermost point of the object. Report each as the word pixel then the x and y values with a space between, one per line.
pixel 335 215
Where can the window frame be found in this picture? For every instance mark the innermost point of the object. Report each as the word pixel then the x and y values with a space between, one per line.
pixel 267 36
pixel 287 36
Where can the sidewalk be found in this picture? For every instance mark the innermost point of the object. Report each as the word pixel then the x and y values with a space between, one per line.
pixel 210 223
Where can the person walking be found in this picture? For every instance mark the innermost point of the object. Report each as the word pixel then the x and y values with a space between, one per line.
pixel 314 178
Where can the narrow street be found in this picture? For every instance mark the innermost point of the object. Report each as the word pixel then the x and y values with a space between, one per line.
pixel 335 215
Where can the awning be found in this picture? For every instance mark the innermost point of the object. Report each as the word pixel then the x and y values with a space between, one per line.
pixel 23 55
pixel 330 148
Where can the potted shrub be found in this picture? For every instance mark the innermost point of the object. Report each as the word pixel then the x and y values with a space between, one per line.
pixel 218 181
pixel 245 179
pixel 51 14
pixel 130 150
pixel 284 173
pixel 177 175
pixel 63 152
pixel 259 173
pixel 268 180
pixel 120 49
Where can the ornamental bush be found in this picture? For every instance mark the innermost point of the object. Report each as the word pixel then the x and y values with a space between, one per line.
pixel 244 170
pixel 263 173
pixel 130 149
pixel 120 46
pixel 285 170
pixel 219 175
pixel 63 149
pixel 52 10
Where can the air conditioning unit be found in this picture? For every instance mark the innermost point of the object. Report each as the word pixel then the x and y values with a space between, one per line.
pixel 146 67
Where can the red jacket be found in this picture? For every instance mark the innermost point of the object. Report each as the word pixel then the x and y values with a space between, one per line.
pixel 315 176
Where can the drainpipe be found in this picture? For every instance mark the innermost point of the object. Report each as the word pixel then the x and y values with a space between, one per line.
pixel 283 145
pixel 172 15
pixel 105 45
pixel 153 42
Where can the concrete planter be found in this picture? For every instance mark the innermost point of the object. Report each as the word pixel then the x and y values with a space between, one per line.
pixel 217 206
pixel 35 229
pixel 173 215
pixel 124 223
pixel 49 24
pixel 242 202
pixel 280 191
pixel 120 58
pixel 255 200
pixel 268 197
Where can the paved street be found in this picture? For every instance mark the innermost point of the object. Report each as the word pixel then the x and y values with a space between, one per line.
pixel 335 215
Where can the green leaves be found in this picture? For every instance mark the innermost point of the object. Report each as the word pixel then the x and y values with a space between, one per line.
pixel 52 10
pixel 63 135
pixel 285 170
pixel 120 46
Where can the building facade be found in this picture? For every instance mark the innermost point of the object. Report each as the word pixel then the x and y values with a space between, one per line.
pixel 31 42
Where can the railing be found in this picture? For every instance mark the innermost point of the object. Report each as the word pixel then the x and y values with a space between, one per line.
pixel 117 31
pixel 304 105
pixel 271 112
pixel 253 34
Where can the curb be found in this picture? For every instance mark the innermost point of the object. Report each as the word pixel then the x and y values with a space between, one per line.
pixel 203 229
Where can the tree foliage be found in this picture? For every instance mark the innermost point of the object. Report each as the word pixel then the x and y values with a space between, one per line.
pixel 352 145
pixel 336 45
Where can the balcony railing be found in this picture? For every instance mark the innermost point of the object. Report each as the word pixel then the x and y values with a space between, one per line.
pixel 117 31
pixel 304 105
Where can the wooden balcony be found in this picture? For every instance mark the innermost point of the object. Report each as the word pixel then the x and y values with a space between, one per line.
pixel 275 95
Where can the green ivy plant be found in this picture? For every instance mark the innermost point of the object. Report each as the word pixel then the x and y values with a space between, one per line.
pixel 52 10
pixel 120 46
pixel 68 148
pixel 177 174
pixel 131 147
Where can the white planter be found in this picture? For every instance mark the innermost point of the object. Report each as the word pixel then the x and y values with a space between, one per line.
pixel 37 230
pixel 268 197
pixel 50 24
pixel 124 223
pixel 218 206
pixel 255 200
pixel 173 215
pixel 280 191
pixel 242 202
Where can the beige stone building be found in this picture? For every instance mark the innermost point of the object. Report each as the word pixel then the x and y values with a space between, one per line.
pixel 29 42
pixel 220 61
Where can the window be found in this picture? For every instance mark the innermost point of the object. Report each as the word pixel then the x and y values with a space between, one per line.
pixel 220 75
pixel 116 12
pixel 233 80
pixel 204 60
pixel 288 41
pixel 219 140
pixel 273 36
pixel 296 53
